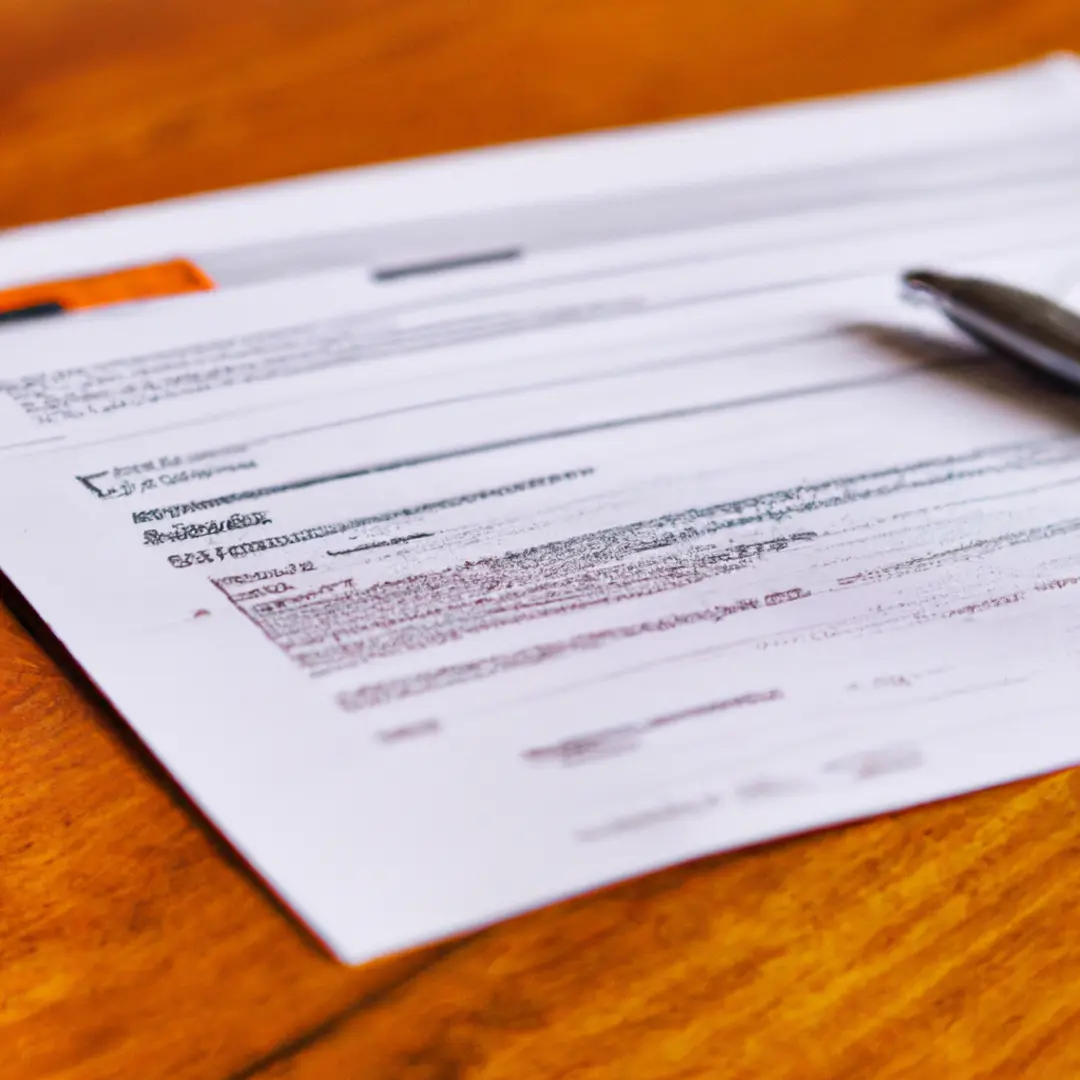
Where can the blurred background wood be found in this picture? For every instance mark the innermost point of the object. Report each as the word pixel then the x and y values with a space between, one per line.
pixel 937 943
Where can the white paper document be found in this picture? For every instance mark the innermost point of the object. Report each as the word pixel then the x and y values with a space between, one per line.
pixel 510 524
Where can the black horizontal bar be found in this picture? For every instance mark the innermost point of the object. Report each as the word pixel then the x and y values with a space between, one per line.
pixel 32 311
pixel 438 266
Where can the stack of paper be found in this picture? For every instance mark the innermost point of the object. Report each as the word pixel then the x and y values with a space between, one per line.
pixel 507 524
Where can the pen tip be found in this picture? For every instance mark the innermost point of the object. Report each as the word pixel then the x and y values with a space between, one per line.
pixel 923 285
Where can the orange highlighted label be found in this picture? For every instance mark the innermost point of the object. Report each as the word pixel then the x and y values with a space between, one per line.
pixel 173 278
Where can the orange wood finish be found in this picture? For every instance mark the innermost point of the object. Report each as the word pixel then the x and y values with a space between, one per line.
pixel 942 942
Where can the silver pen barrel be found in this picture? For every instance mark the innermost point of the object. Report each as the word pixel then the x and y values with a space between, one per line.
pixel 1020 324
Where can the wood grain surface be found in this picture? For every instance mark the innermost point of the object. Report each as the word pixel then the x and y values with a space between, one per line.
pixel 937 943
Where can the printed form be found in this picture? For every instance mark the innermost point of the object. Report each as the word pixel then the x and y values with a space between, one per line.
pixel 565 512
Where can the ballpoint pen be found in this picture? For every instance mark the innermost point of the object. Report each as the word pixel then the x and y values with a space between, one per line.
pixel 1020 324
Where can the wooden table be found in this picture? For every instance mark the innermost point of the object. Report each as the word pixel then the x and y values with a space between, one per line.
pixel 936 943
